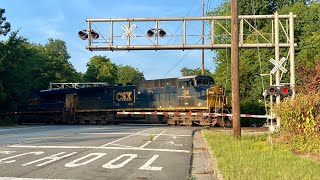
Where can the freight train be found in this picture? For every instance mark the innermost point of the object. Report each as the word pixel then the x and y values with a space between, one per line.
pixel 99 103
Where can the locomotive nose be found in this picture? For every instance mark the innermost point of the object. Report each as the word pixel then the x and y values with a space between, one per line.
pixel 215 96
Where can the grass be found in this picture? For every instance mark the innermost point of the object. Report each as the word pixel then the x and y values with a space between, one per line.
pixel 254 158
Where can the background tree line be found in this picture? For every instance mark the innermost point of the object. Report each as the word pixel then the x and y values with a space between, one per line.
pixel 254 62
pixel 26 67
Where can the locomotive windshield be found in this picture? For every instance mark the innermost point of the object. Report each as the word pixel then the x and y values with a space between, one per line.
pixel 205 81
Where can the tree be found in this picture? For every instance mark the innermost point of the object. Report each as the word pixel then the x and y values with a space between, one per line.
pixel 252 63
pixel 58 67
pixel 101 69
pixel 5 28
pixel 128 74
pixel 190 72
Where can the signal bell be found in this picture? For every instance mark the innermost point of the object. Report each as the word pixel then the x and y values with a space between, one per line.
pixel 83 35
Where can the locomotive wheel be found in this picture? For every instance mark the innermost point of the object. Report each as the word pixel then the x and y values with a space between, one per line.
pixel 187 122
pixel 224 121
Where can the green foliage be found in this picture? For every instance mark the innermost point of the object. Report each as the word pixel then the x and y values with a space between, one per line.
pixel 26 67
pixel 4 26
pixel 253 62
pixel 301 122
pixel 198 71
pixel 306 33
pixel 101 69
pixel 128 74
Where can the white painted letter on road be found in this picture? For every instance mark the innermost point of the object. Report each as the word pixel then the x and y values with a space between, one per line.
pixel 147 165
pixel 75 164
pixel 110 164
pixel 6 152
pixel 3 161
pixel 52 158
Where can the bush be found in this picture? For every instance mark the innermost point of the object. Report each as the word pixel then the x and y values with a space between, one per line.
pixel 300 120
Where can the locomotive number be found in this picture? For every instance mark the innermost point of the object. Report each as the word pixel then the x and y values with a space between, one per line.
pixel 124 96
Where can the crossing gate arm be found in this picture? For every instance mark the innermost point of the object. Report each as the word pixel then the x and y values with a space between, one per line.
pixel 195 114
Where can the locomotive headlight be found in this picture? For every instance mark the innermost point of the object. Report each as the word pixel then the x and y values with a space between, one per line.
pixel 211 92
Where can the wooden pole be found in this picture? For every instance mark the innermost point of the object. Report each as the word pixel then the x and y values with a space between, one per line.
pixel 235 71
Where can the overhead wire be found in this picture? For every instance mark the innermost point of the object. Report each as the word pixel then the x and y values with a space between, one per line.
pixel 179 61
pixel 162 53
pixel 259 56
pixel 186 52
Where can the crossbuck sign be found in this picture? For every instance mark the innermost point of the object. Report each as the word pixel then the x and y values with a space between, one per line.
pixel 128 31
pixel 278 65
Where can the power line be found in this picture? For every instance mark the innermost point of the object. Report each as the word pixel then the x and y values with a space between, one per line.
pixel 157 57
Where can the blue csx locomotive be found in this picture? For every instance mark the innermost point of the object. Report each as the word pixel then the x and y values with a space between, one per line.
pixel 99 104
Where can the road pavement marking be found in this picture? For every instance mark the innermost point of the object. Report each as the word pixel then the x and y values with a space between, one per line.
pixel 124 138
pixel 145 144
pixel 6 152
pixel 3 161
pixel 110 164
pixel 147 166
pixel 106 133
pixel 123 145
pixel 51 158
pixel 141 134
pixel 172 143
pixel 75 164
pixel 94 147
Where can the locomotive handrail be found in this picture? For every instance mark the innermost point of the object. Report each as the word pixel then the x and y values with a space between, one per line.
pixel 55 86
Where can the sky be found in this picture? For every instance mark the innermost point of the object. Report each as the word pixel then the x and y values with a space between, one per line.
pixel 39 20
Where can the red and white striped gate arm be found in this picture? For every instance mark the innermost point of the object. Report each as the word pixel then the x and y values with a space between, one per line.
pixel 194 114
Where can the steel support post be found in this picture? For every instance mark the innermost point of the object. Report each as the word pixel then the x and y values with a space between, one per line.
pixel 277 56
pixel 292 63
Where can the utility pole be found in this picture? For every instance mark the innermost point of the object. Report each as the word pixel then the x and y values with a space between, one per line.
pixel 235 71
pixel 202 36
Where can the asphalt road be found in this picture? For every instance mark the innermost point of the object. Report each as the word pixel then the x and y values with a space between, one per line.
pixel 95 152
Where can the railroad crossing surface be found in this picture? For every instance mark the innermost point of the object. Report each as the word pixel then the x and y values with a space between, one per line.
pixel 95 152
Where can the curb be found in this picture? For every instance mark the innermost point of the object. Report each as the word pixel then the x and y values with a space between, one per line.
pixel 213 161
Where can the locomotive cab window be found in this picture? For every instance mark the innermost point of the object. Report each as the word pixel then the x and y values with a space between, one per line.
pixel 204 82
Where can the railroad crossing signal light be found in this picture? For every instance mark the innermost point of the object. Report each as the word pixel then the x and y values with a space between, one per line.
pixel 162 33
pixel 273 91
pixel 284 91
pixel 83 35
pixel 94 34
pixel 150 33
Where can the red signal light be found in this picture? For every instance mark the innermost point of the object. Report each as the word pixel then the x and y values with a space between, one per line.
pixel 83 35
pixel 94 34
pixel 285 91
pixel 273 91
pixel 150 33
pixel 162 33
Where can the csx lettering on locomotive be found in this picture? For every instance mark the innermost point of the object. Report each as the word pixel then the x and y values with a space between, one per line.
pixel 124 96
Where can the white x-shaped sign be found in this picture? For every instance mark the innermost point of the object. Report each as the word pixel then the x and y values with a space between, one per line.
pixel 128 31
pixel 278 65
